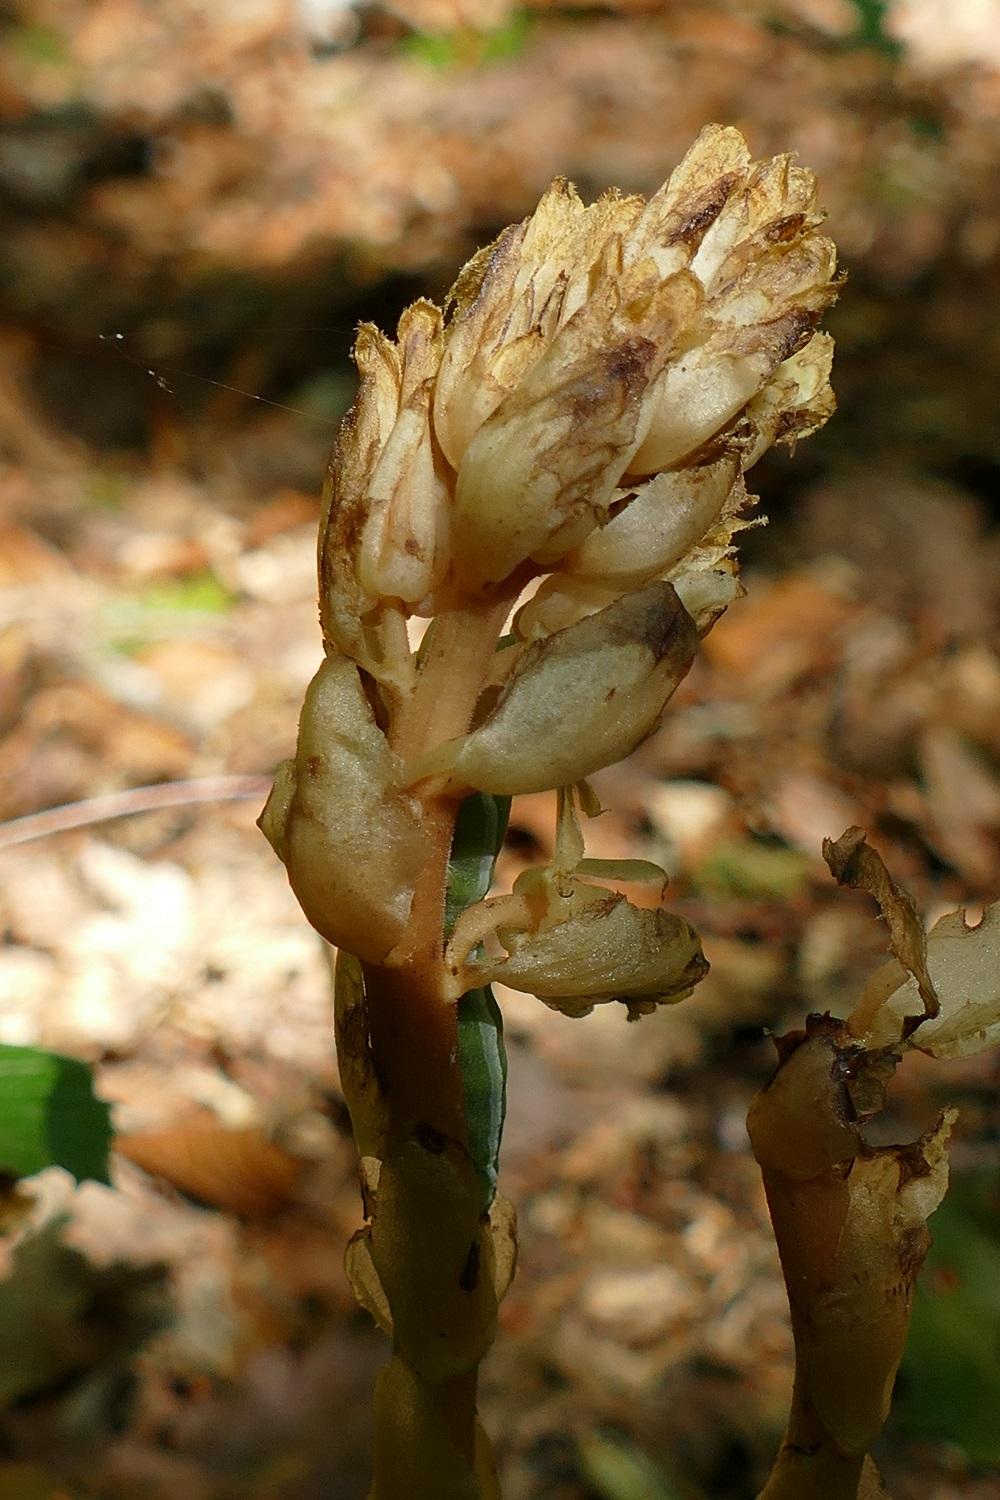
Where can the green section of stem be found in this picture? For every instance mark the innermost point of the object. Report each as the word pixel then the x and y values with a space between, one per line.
pixel 479 834
pixel 483 1060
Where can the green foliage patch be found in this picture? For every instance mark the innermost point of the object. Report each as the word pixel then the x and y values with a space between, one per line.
pixel 50 1116
pixel 949 1387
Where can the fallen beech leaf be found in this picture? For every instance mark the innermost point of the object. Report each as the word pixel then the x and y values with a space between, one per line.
pixel 240 1171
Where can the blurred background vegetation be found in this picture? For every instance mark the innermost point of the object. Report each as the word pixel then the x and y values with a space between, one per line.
pixel 199 201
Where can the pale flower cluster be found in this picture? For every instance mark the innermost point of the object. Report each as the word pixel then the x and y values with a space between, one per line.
pixel 571 431
pixel 587 404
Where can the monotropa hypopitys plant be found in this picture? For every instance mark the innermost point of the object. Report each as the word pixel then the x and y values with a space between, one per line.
pixel 550 471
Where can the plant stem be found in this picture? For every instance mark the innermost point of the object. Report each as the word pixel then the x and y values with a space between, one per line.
pixel 440 706
pixel 430 1247
pixel 810 1466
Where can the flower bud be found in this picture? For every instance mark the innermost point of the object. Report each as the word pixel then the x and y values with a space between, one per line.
pixel 767 275
pixel 512 298
pixel 384 531
pixel 659 523
pixel 403 552
pixel 582 699
pixel 361 439
pixel 350 840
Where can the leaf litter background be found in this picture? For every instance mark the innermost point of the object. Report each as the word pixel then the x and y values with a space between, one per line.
pixel 199 201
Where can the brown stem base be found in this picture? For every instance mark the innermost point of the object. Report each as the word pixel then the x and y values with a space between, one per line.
pixel 810 1466
pixel 428 1445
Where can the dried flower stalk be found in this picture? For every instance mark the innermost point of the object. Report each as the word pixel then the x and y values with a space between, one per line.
pixel 851 1219
pixel 574 428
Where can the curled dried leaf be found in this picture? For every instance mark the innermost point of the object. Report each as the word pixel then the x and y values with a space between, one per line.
pixel 964 964
pixel 853 862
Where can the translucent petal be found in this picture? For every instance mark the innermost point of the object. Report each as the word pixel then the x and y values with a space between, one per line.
pixel 582 699
pixel 350 840
pixel 606 949
pixel 964 963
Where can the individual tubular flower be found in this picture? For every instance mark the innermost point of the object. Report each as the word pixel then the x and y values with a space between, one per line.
pixel 575 944
pixel 656 525
pixel 767 276
pixel 581 699
pixel 851 1219
pixel 383 535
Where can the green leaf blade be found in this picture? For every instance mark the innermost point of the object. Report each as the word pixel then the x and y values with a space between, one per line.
pixel 50 1116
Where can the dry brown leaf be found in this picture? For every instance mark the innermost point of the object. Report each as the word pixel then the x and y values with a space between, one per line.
pixel 778 633
pixel 853 862
pixel 240 1171
pixel 26 558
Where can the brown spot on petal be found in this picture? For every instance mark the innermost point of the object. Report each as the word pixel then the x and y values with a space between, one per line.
pixel 469 1279
pixel 610 379
pixel 667 629
pixel 703 214
pixel 784 229
pixel 431 1139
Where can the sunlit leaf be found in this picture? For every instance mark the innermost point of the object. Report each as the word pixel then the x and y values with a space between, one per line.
pixel 50 1116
